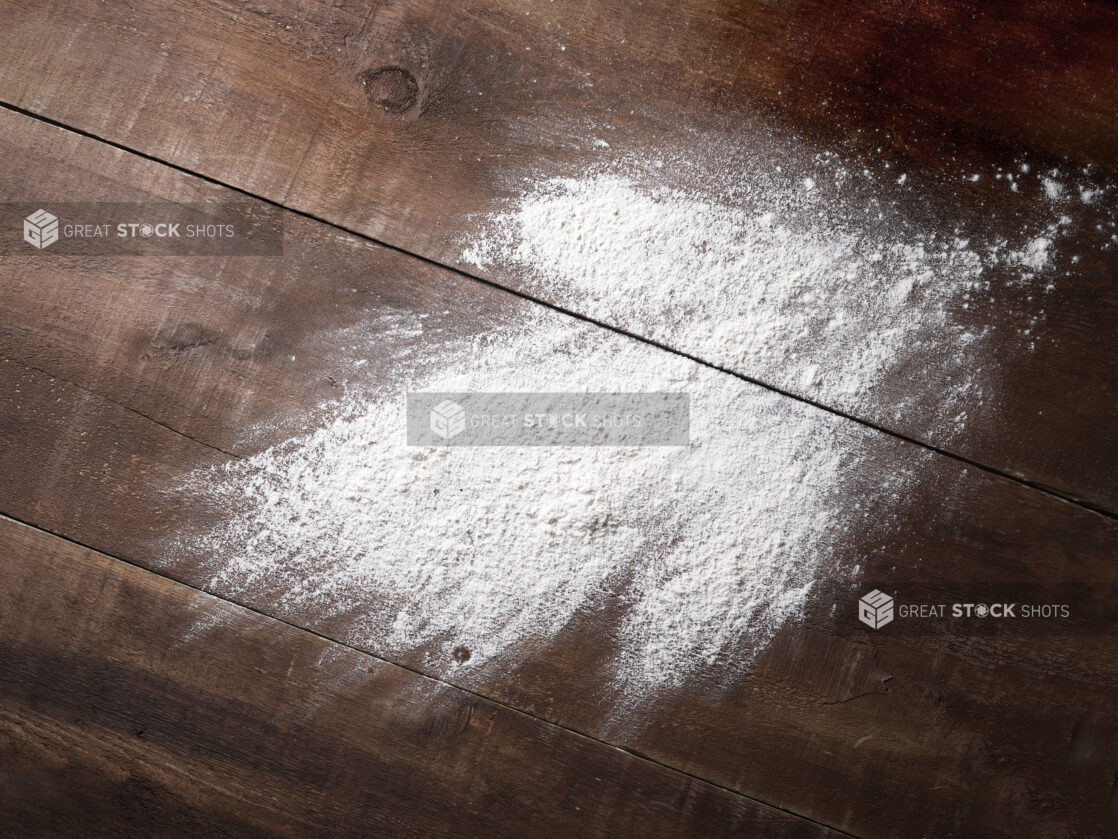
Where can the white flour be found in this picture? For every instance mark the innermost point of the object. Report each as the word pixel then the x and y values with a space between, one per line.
pixel 713 546
pixel 784 285
pixel 466 556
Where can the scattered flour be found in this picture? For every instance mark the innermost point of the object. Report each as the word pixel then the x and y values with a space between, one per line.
pixel 689 557
pixel 775 283
pixel 483 551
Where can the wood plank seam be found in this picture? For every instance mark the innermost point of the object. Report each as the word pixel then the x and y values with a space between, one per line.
pixel 112 401
pixel 129 487
pixel 1079 502
pixel 636 754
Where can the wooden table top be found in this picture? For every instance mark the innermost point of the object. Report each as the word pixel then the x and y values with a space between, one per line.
pixel 142 696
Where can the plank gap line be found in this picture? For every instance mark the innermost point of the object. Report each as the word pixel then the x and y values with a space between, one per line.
pixel 1039 487
pixel 638 755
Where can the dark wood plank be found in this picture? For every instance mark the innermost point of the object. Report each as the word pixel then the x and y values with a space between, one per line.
pixel 136 706
pixel 105 407
pixel 402 120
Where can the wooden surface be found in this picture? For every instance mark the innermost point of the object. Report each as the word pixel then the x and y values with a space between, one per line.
pixel 401 120
pixel 134 706
pixel 119 376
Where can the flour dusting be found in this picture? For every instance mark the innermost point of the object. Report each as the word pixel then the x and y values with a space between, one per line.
pixel 820 295
pixel 469 554
pixel 682 558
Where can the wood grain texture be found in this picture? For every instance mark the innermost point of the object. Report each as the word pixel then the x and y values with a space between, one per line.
pixel 402 119
pixel 107 402
pixel 135 706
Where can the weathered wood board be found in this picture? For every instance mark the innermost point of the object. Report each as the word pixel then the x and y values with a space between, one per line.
pixel 403 120
pixel 134 705
pixel 121 375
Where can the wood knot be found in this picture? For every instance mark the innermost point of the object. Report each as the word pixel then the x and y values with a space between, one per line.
pixel 181 339
pixel 392 89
